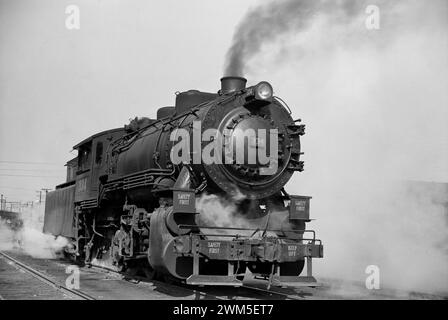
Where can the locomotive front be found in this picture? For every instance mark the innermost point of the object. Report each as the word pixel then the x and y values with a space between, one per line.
pixel 255 144
pixel 243 146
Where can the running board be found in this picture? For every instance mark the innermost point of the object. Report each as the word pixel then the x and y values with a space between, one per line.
pixel 209 280
pixel 306 281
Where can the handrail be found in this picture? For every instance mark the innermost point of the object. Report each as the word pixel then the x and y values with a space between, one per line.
pixel 188 226
pixel 283 103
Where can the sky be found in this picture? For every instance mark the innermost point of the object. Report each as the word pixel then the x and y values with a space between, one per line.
pixel 59 86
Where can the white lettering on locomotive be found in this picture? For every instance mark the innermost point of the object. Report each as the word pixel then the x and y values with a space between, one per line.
pixel 213 247
pixel 292 251
pixel 300 205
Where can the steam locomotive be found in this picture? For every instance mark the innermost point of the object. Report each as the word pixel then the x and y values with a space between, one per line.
pixel 127 203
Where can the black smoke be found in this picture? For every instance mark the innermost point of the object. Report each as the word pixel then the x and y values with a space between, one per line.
pixel 269 22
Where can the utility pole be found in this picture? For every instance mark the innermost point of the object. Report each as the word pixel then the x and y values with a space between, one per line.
pixel 3 203
pixel 40 193
pixel 46 191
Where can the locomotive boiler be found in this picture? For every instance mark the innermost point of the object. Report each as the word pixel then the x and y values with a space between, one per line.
pixel 130 198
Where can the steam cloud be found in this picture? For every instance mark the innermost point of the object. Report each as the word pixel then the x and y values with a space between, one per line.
pixel 30 238
pixel 374 103
pixel 218 212
pixel 215 211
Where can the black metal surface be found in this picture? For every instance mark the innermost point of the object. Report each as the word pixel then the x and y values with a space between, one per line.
pixel 231 84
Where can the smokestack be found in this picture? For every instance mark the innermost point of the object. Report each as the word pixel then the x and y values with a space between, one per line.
pixel 231 84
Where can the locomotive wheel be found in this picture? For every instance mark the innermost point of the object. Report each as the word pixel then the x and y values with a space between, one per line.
pixel 78 259
pixel 117 260
pixel 149 272
pixel 167 278
pixel 292 268
pixel 121 266
pixel 286 268
pixel 261 268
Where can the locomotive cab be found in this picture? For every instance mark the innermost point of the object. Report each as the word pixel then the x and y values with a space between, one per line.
pixel 92 165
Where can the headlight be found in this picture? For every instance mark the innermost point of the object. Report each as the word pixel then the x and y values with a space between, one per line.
pixel 263 91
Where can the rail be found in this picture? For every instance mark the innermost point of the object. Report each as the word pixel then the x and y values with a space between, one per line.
pixel 46 279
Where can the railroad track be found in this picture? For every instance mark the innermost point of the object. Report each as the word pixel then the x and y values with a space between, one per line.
pixel 160 283
pixel 44 278
pixel 213 293
pixel 258 292
pixel 205 291
pixel 271 293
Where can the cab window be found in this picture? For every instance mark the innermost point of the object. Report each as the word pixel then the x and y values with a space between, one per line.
pixel 84 157
pixel 99 153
